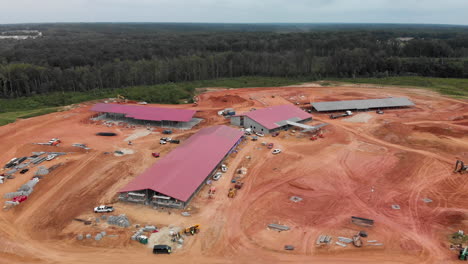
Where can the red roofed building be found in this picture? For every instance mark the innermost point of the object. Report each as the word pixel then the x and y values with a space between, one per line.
pixel 174 179
pixel 271 119
pixel 158 116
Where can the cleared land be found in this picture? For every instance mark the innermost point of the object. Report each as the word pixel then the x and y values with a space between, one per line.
pixel 404 156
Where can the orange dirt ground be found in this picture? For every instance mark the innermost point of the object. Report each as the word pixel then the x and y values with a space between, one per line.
pixel 404 155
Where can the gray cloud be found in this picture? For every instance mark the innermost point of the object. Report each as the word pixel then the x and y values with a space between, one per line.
pixel 243 11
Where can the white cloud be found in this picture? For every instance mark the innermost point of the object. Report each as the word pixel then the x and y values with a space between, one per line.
pixel 358 11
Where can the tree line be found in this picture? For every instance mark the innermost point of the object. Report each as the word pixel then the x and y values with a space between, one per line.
pixel 79 58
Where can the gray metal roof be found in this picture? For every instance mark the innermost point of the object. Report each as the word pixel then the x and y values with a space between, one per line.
pixel 362 104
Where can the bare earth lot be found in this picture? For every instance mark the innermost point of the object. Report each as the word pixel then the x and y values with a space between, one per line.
pixel 404 155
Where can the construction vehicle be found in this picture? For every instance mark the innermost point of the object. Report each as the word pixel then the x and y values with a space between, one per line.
pixel 121 99
pixel 232 192
pixel 52 142
pixel 347 113
pixel 460 167
pixel 357 242
pixel 238 185
pixel 192 230
pixel 463 254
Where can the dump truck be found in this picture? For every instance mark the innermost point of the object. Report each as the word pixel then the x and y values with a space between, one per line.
pixel 192 230
pixel 347 113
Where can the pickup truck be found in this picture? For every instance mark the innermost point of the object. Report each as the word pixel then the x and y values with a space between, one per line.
pixel 103 209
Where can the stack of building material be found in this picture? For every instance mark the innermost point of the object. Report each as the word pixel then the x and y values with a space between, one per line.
pixel 323 239
pixel 345 240
pixel 278 227
pixel 42 171
pixel 25 189
pixel 120 220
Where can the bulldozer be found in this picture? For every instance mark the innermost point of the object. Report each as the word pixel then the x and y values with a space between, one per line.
pixel 232 192
pixel 192 230
pixel 460 167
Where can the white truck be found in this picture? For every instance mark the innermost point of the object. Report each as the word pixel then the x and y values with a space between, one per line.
pixel 103 209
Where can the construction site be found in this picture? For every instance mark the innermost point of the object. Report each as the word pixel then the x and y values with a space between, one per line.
pixel 103 182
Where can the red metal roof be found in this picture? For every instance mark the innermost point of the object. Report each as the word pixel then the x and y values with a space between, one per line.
pixel 268 117
pixel 181 172
pixel 146 112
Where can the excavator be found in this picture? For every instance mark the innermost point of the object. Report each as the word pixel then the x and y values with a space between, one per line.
pixel 121 99
pixel 460 167
pixel 232 192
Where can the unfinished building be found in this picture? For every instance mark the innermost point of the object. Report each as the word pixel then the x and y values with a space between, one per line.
pixel 362 105
pixel 272 119
pixel 175 179
pixel 147 115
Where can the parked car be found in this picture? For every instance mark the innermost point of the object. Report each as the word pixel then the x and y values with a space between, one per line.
pixel 275 134
pixel 259 134
pixel 155 154
pixel 103 209
pixel 167 132
pixel 162 249
pixel 217 176
pixel 254 138
pixel 23 171
pixel 276 151
pixel 224 168
pixel 380 112
pixel 162 142
pixel 51 157
pixel 175 141
pixel 270 145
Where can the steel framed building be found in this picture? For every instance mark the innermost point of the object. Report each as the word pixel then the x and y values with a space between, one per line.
pixel 362 105
pixel 175 179
pixel 271 119
pixel 147 115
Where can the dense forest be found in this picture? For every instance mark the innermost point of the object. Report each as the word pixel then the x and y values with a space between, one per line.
pixel 83 57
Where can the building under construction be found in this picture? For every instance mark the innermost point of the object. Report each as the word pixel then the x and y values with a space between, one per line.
pixel 271 119
pixel 175 179
pixel 147 115
pixel 362 105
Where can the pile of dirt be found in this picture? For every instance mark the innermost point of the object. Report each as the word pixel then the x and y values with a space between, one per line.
pixel 226 100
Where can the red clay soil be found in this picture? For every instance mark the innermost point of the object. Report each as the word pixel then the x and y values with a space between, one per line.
pixel 358 169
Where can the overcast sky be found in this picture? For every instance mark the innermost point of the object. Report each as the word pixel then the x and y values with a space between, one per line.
pixel 236 11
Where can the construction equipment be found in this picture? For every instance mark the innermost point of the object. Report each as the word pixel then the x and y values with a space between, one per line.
pixel 460 167
pixel 357 242
pixel 52 142
pixel 192 230
pixel 238 185
pixel 232 192
pixel 463 254
pixel 121 99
